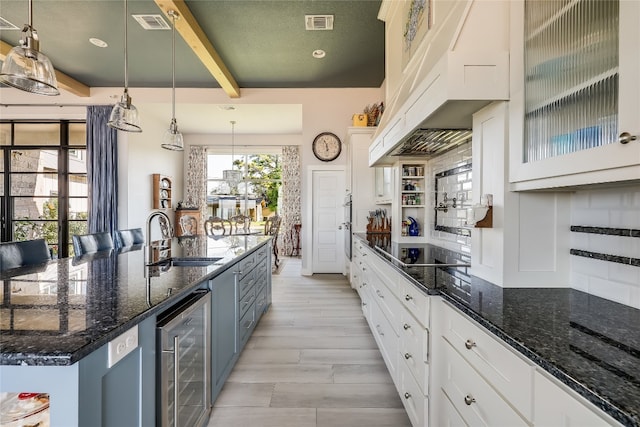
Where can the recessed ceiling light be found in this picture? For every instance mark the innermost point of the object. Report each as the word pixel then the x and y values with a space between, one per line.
pixel 97 42
pixel 319 53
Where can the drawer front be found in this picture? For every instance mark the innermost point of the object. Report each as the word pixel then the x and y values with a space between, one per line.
pixel 247 282
pixel 414 346
pixel 247 264
pixel 504 370
pixel 412 398
pixel 247 323
pixel 261 301
pixel 386 339
pixel 448 416
pixel 387 301
pixel 262 253
pixel 475 400
pixel 246 301
pixel 416 302
pixel 390 277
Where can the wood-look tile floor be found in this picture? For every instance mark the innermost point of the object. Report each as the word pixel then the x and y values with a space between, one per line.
pixel 311 362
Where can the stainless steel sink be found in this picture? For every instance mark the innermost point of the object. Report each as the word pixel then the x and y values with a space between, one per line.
pixel 188 262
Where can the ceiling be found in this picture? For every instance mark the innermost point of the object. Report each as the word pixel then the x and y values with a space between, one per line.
pixel 259 44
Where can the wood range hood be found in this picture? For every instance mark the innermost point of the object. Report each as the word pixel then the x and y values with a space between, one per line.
pixel 461 65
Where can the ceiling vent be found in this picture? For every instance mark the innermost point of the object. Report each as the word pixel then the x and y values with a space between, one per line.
pixel 318 22
pixel 152 22
pixel 6 25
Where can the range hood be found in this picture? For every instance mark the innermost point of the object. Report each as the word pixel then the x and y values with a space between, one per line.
pixel 461 66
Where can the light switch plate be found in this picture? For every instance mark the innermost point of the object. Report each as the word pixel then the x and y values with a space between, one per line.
pixel 122 345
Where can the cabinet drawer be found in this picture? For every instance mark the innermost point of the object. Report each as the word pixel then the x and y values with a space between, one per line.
pixel 414 345
pixel 261 301
pixel 416 302
pixel 387 301
pixel 390 277
pixel 503 369
pixel 262 253
pixel 247 322
pixel 247 282
pixel 246 301
pixel 386 339
pixel 475 400
pixel 246 265
pixel 412 398
pixel 447 413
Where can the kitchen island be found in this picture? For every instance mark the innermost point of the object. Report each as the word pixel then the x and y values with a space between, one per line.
pixel 60 320
pixel 589 344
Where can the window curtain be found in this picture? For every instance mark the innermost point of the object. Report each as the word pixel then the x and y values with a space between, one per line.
pixel 102 170
pixel 196 181
pixel 290 210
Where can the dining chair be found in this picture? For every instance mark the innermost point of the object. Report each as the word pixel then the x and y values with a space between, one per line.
pixel 215 226
pixel 89 243
pixel 23 253
pixel 240 224
pixel 129 237
pixel 272 228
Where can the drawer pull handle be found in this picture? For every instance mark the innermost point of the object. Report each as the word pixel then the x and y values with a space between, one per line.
pixel 407 356
pixel 408 297
pixel 364 269
pixel 379 331
pixel 468 399
pixel 364 283
pixel 406 326
pixel 407 395
pixel 469 344
pixel 364 304
pixel 364 254
pixel 379 293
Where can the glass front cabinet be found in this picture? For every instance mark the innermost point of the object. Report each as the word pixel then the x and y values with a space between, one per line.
pixel 575 93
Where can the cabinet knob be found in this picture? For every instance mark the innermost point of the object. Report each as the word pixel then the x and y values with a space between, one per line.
pixel 364 254
pixel 407 395
pixel 364 283
pixel 626 137
pixel 407 356
pixel 408 297
pixel 469 344
pixel 468 399
pixel 379 293
pixel 406 326
pixel 364 304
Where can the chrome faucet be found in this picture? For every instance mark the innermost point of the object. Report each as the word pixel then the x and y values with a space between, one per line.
pixel 165 229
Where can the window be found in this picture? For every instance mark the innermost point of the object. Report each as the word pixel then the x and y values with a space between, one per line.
pixel 44 172
pixel 256 194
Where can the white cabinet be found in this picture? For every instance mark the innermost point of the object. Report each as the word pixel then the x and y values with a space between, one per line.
pixel 569 103
pixel 557 407
pixel 384 185
pixel 360 177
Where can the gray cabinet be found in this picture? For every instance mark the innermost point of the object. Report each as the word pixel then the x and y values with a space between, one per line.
pixel 224 328
pixel 125 393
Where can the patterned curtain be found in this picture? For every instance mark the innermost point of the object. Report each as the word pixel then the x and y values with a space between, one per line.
pixel 290 210
pixel 102 170
pixel 196 180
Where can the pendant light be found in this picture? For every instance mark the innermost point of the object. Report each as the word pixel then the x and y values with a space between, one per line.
pixel 124 115
pixel 233 177
pixel 26 68
pixel 172 139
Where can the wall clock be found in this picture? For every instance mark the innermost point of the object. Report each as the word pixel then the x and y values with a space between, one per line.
pixel 327 146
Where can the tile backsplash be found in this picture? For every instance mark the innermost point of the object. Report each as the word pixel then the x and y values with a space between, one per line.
pixel 605 243
pixel 449 173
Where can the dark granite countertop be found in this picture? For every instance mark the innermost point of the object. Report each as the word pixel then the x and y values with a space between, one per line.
pixel 589 343
pixel 59 312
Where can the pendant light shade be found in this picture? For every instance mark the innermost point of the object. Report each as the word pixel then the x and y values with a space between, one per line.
pixel 233 177
pixel 26 68
pixel 172 139
pixel 124 115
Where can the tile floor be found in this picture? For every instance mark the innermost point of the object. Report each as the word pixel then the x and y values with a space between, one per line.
pixel 311 362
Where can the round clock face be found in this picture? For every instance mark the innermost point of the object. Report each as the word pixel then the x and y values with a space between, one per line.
pixel 327 146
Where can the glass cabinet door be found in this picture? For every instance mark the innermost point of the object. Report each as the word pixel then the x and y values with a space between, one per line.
pixel 571 59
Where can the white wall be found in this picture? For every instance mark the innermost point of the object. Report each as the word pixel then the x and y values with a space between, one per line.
pixel 617 208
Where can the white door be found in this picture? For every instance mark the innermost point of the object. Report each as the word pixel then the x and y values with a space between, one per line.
pixel 328 216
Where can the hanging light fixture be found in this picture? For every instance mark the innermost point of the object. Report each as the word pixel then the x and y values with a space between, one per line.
pixel 233 177
pixel 124 115
pixel 172 139
pixel 26 68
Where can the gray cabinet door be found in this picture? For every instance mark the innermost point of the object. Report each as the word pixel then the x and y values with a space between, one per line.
pixel 224 328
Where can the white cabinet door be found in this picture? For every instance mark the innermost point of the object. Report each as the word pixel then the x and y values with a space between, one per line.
pixel 555 407
pixel 555 163
pixel 384 185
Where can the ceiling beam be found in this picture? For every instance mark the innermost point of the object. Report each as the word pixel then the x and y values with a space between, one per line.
pixel 191 32
pixel 64 81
